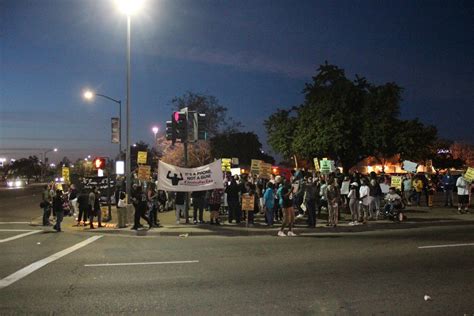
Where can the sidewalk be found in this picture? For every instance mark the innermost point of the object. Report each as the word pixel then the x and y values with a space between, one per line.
pixel 418 217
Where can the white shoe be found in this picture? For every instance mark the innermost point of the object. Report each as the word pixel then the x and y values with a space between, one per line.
pixel 352 224
pixel 281 234
pixel 291 234
pixel 177 222
pixel 299 216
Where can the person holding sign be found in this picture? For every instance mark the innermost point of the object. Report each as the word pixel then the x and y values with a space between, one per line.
pixel 286 203
pixel 463 195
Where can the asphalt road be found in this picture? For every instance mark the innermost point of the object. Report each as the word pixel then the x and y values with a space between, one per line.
pixel 382 272
pixel 20 204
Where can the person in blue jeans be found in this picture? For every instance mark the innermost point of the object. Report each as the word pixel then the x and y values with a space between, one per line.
pixel 58 209
pixel 269 203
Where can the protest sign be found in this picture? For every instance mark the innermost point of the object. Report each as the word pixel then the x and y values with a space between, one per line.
pixel 265 170
pixel 65 174
pixel 396 182
pixel 325 166
pixel 144 172
pixel 410 166
pixel 316 164
pixel 141 157
pixel 177 179
pixel 226 164
pixel 235 171
pixel 255 166
pixel 248 202
pixel 469 175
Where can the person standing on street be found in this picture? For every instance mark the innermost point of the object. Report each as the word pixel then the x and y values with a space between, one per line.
pixel 73 199
pixel 180 203
pixel 463 195
pixel 198 206
pixel 354 203
pixel 286 202
pixel 407 190
pixel 46 203
pixel 364 192
pixel 269 203
pixel 447 181
pixel 58 209
pixel 333 197
pixel 233 200
pixel 310 200
pixel 215 200
pixel 140 203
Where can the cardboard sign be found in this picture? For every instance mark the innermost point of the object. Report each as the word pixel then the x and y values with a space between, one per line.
pixel 141 158
pixel 325 166
pixel 226 164
pixel 235 171
pixel 248 202
pixel 396 182
pixel 265 170
pixel 144 173
pixel 410 166
pixel 255 166
pixel 316 164
pixel 469 175
pixel 65 174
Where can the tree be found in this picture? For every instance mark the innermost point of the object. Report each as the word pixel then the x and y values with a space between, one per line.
pixel 414 140
pixel 463 151
pixel 26 167
pixel 243 145
pixel 280 128
pixel 199 153
pixel 348 120
pixel 217 118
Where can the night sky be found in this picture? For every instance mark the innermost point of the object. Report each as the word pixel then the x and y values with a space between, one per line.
pixel 254 56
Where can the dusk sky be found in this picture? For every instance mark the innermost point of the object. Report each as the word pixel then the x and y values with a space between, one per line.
pixel 254 56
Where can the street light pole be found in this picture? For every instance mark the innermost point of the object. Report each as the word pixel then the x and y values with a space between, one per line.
pixel 127 128
pixel 88 94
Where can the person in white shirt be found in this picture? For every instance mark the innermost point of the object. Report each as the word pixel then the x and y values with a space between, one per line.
pixel 364 192
pixel 463 195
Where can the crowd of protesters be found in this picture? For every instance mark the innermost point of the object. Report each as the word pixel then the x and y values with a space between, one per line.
pixel 279 200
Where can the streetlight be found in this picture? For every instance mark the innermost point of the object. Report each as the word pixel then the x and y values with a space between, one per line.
pixel 46 158
pixel 128 7
pixel 89 96
pixel 155 130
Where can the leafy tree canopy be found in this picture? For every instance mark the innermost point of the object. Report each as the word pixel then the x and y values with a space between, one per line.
pixel 348 120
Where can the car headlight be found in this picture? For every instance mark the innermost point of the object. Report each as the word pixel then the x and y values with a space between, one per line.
pixel 18 183
pixel 10 183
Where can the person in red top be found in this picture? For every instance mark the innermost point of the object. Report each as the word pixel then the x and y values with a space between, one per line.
pixel 215 200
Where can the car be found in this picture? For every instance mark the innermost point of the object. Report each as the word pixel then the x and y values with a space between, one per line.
pixel 16 182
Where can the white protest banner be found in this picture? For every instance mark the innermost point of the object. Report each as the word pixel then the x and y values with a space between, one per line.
pixel 410 166
pixel 235 171
pixel 173 178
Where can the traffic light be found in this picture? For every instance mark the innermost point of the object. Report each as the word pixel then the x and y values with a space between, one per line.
pixel 99 163
pixel 171 131
pixel 180 119
pixel 201 126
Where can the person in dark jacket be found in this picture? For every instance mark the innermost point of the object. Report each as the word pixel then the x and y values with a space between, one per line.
pixel 58 209
pixel 139 200
pixel 448 182
pixel 232 191
pixel 198 205
pixel 83 205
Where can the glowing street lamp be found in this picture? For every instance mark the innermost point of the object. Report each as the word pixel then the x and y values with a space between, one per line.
pixel 89 95
pixel 155 130
pixel 128 7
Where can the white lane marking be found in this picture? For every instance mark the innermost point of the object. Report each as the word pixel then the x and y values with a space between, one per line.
pixel 138 263
pixel 16 230
pixel 31 232
pixel 446 246
pixel 20 274
pixel 11 223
